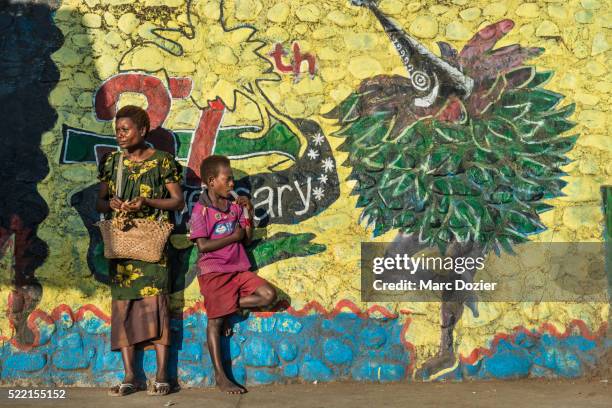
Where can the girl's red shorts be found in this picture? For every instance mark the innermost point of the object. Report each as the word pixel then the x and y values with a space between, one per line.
pixel 221 290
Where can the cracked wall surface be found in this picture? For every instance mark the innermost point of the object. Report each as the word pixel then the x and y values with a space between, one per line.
pixel 256 77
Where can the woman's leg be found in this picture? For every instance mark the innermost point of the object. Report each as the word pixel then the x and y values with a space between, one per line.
pixel 129 384
pixel 161 351
pixel 127 354
pixel 161 385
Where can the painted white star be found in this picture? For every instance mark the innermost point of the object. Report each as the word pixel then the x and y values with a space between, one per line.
pixel 328 164
pixel 318 193
pixel 313 154
pixel 322 179
pixel 318 139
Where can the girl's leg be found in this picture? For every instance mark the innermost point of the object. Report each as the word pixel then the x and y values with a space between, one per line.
pixel 263 296
pixel 213 338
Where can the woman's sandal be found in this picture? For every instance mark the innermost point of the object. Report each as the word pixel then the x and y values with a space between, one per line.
pixel 124 389
pixel 159 389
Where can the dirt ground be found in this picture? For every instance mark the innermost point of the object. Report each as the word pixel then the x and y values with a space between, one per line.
pixel 514 394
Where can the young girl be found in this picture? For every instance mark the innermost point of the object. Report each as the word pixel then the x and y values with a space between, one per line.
pixel 220 229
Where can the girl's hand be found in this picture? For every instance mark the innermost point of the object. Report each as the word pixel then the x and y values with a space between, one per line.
pixel 116 204
pixel 135 205
pixel 245 202
pixel 238 233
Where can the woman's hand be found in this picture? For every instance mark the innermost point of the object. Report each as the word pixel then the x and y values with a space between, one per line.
pixel 134 205
pixel 174 203
pixel 116 204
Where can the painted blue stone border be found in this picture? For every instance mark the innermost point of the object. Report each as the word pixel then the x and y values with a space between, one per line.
pixel 284 348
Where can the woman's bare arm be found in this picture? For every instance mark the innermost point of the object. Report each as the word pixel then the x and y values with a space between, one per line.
pixel 176 202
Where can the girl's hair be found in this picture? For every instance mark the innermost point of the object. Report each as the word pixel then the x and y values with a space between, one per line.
pixel 210 166
pixel 137 114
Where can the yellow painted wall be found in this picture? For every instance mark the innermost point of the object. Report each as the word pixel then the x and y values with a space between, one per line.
pixel 349 46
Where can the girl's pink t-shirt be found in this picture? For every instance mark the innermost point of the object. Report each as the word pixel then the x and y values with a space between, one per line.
pixel 212 223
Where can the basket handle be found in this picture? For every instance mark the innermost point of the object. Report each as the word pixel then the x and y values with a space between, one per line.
pixel 118 182
pixel 119 178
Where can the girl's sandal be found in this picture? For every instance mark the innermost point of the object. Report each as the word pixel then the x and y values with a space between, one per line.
pixel 123 389
pixel 159 389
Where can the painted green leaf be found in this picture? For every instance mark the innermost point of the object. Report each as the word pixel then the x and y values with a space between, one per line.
pixel 511 112
pixel 375 161
pixel 362 126
pixel 461 234
pixel 402 161
pixel 502 131
pixel 420 189
pixel 456 221
pixel 479 176
pixel 542 207
pixel 439 156
pixel 444 204
pixel 554 187
pixel 540 78
pixel 444 235
pixel 391 202
pixel 541 99
pixel 544 100
pixel 405 219
pixel 452 166
pixel 506 170
pixel 564 112
pixel 506 243
pixel 556 126
pixel 503 195
pixel 450 135
pixel 390 178
pixel 362 201
pixel 278 138
pixel 406 136
pixel 524 224
pixel 466 213
pixel 347 111
pixel 405 183
pixel 562 145
pixel 452 186
pixel 532 167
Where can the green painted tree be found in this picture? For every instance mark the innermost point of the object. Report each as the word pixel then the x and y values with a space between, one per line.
pixel 458 155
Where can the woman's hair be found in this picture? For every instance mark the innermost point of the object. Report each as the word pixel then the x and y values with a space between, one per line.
pixel 137 114
pixel 210 166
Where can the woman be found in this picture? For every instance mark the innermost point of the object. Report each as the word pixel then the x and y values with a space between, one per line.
pixel 151 188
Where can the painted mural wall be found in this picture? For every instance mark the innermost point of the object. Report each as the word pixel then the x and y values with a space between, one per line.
pixel 310 100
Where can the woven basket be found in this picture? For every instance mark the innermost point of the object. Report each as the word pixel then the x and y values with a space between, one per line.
pixel 128 238
pixel 138 239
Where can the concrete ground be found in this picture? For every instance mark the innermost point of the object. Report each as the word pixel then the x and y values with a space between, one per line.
pixel 514 394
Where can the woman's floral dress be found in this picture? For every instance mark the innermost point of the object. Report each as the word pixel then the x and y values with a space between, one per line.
pixel 132 279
